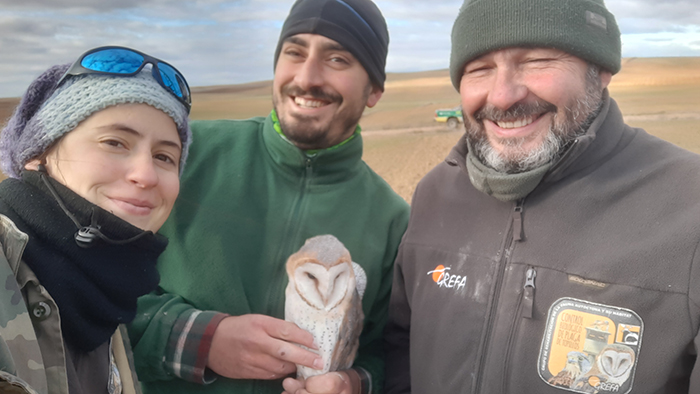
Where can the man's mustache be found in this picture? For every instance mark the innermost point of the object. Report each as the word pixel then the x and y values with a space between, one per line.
pixel 315 93
pixel 517 111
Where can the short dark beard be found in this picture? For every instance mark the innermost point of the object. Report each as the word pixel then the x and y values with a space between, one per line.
pixel 302 135
pixel 559 137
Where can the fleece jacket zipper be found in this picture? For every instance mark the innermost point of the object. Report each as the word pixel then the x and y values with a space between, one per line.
pixel 290 236
pixel 514 234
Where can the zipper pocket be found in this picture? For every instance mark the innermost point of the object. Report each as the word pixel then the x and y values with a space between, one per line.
pixel 525 306
pixel 529 293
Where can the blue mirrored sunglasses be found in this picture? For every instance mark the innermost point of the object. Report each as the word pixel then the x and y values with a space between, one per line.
pixel 121 61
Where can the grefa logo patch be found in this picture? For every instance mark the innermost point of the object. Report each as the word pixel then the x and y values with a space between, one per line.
pixel 590 348
pixel 443 278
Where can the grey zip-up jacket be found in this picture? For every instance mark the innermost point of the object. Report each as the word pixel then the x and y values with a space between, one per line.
pixel 591 284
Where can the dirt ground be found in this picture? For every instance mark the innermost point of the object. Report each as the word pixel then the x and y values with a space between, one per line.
pixel 403 158
pixel 402 141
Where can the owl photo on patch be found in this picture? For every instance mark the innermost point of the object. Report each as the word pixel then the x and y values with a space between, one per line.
pixel 324 297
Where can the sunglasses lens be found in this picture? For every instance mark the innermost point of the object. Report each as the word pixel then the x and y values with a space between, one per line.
pixel 115 60
pixel 173 80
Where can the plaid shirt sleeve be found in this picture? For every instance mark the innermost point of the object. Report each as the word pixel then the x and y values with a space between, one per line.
pixel 189 343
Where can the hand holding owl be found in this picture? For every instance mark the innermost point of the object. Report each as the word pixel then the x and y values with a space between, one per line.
pixel 259 347
pixel 341 382
pixel 324 297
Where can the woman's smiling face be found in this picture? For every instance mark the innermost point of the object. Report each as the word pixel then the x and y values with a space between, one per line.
pixel 124 159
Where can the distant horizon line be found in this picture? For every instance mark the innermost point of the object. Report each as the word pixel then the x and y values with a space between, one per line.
pixel 263 82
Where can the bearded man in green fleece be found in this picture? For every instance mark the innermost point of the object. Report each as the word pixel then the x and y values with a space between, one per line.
pixel 253 192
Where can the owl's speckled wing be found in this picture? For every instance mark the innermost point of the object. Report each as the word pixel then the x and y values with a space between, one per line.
pixel 348 336
pixel 360 278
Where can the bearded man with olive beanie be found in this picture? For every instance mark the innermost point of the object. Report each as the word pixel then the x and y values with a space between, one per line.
pixel 555 249
pixel 253 191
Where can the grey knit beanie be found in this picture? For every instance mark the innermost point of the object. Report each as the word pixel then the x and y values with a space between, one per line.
pixel 583 28
pixel 44 115
pixel 357 25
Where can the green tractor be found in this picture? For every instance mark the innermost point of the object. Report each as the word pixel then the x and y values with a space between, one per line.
pixel 452 116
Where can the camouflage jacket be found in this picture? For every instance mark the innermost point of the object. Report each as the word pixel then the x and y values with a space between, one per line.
pixel 32 351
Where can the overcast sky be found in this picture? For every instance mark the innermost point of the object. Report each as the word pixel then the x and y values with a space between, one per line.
pixel 216 42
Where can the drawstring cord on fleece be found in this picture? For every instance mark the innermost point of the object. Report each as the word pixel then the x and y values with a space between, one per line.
pixel 86 236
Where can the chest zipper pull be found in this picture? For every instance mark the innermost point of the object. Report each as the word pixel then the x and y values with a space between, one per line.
pixel 529 293
pixel 309 167
pixel 518 223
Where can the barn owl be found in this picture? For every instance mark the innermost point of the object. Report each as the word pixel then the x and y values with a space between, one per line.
pixel 613 366
pixel 324 297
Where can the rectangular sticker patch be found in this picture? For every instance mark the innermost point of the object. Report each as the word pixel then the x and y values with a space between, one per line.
pixel 589 347
pixel 596 20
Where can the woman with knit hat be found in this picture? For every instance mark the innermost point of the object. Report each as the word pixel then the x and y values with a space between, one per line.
pixel 93 153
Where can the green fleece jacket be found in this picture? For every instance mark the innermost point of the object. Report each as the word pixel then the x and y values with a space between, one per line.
pixel 249 199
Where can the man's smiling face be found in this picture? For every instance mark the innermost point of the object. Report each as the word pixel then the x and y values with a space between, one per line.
pixel 522 104
pixel 319 91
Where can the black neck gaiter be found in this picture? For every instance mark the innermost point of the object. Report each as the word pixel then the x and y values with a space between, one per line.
pixel 95 288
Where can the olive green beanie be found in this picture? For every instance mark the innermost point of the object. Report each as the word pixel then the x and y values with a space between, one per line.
pixel 583 28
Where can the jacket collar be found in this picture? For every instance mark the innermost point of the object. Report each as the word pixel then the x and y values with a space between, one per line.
pixel 327 165
pixel 602 137
pixel 13 242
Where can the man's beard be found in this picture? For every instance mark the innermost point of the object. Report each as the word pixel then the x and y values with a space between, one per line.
pixel 515 158
pixel 300 129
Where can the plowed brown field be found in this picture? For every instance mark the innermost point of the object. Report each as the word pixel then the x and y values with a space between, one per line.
pixel 402 142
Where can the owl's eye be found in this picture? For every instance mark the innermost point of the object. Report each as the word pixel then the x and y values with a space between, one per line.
pixel 310 276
